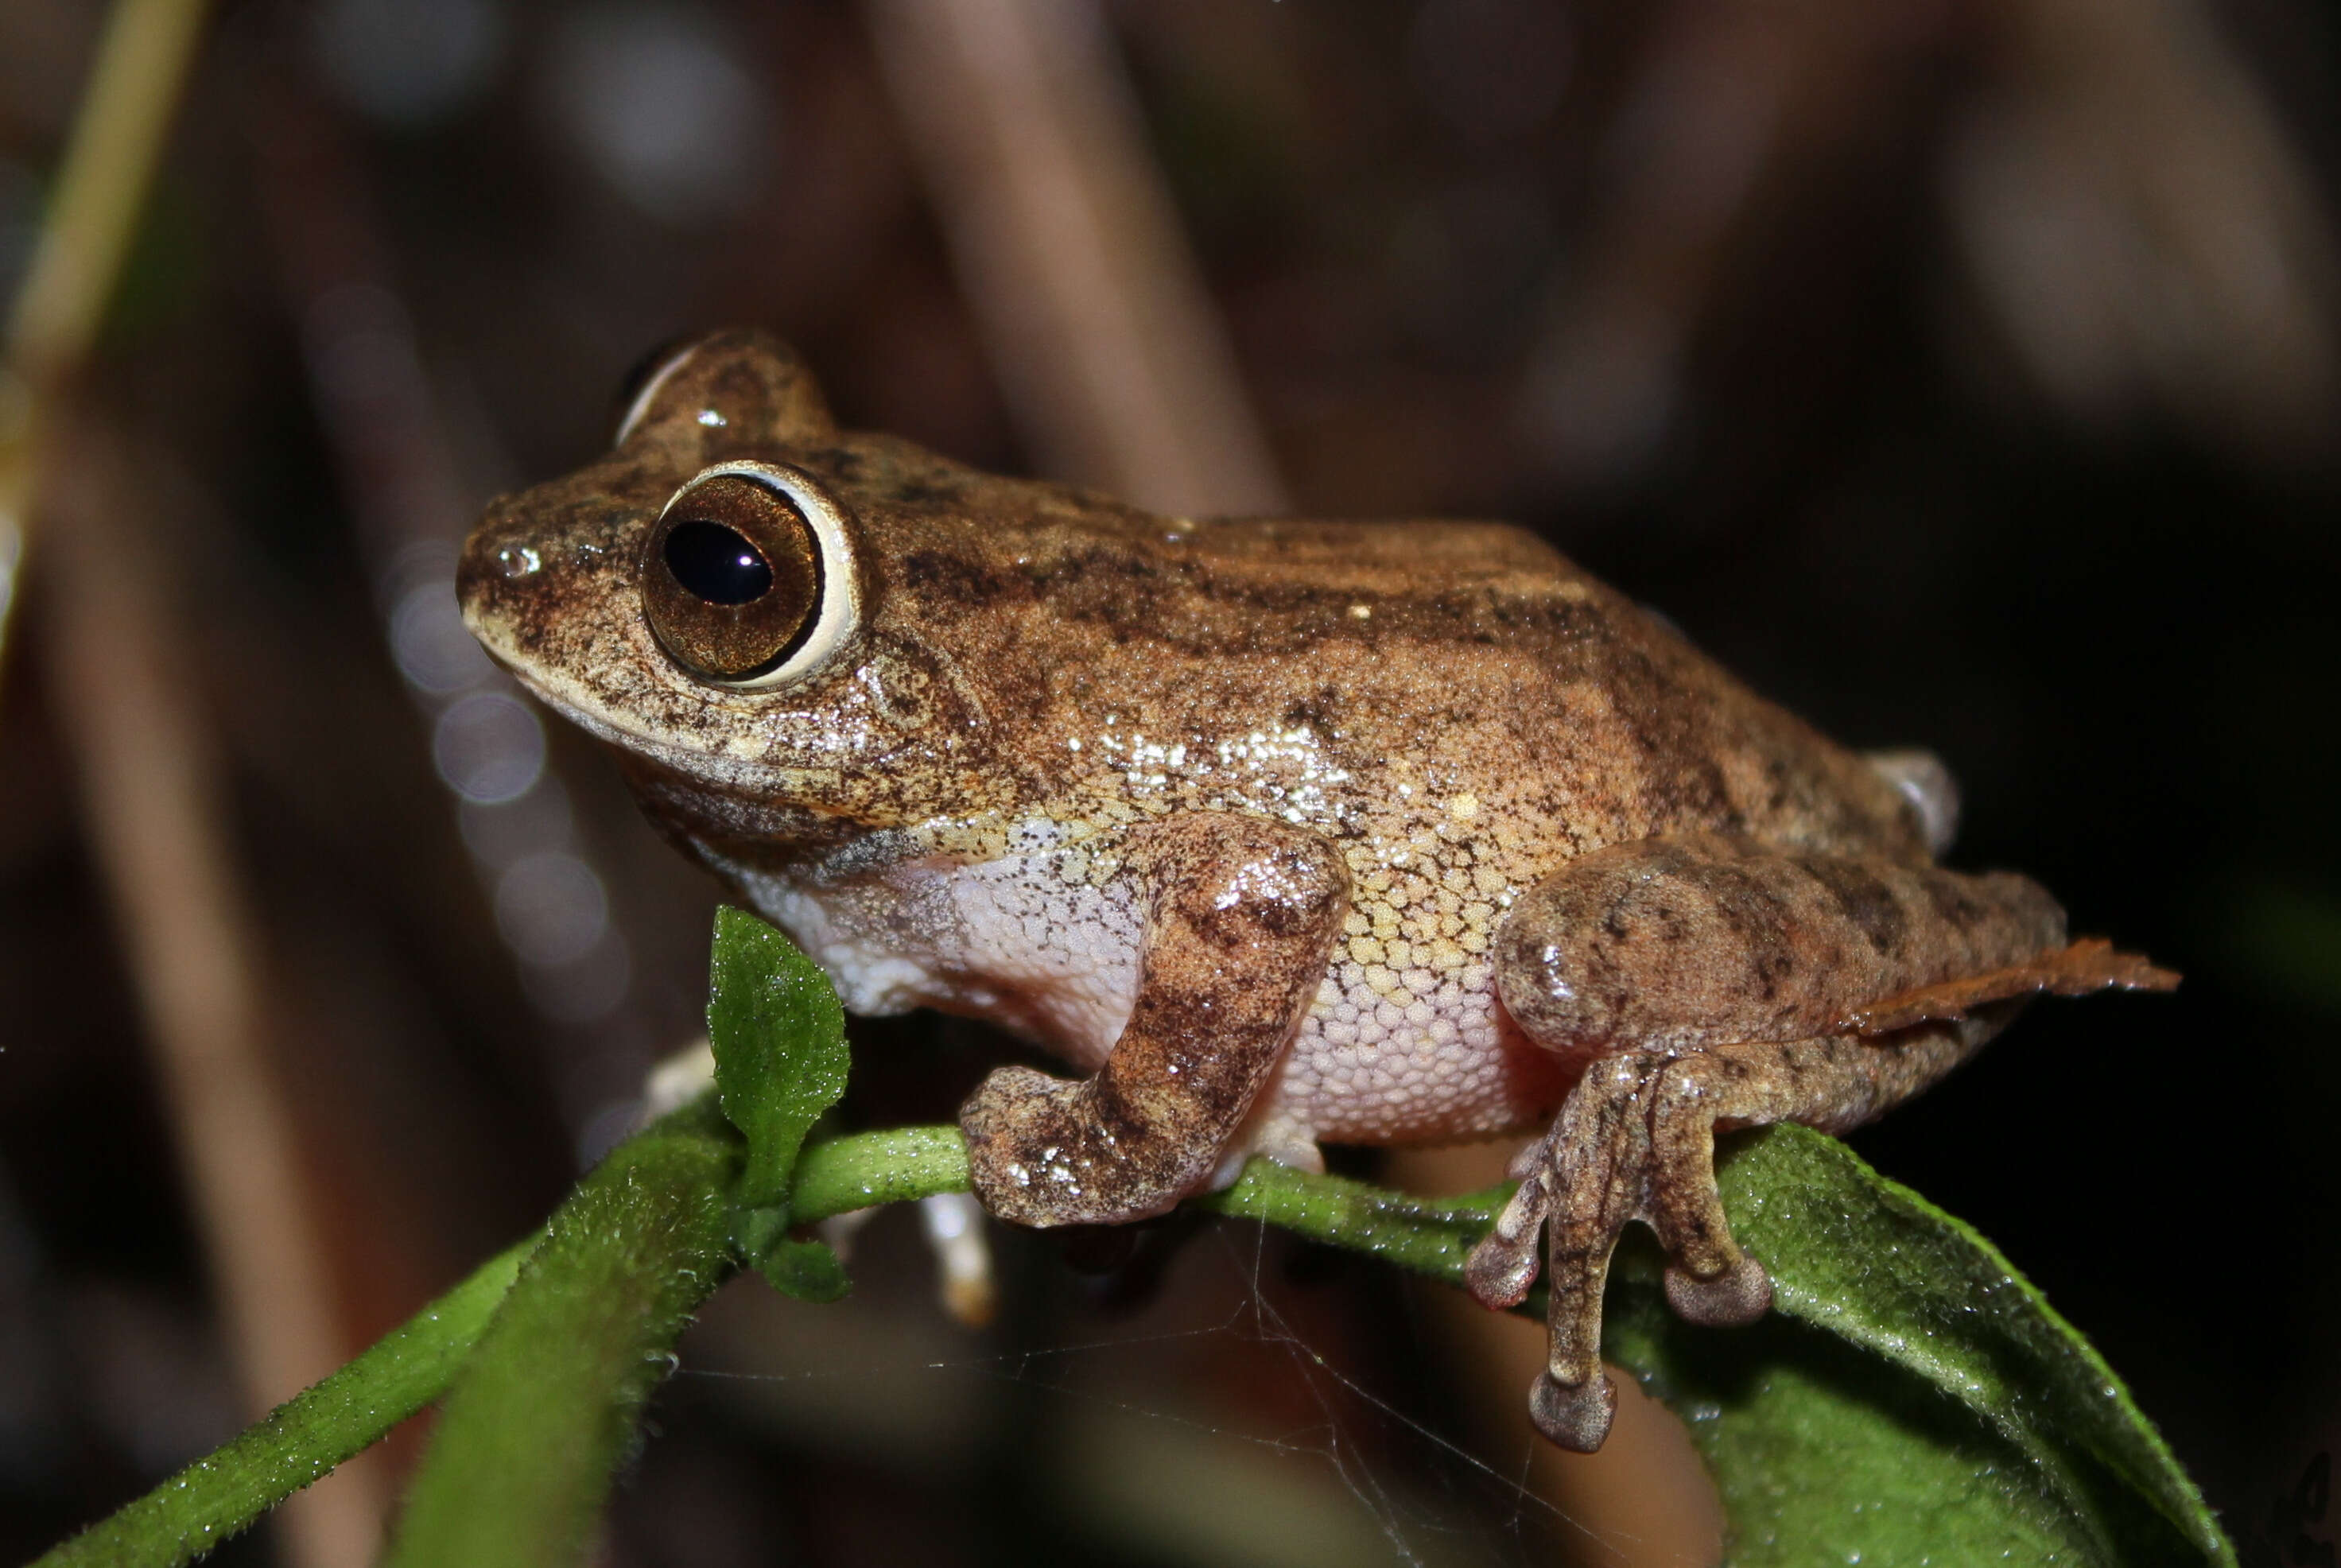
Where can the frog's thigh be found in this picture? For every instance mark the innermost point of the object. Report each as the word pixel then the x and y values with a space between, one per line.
pixel 1241 916
pixel 1698 939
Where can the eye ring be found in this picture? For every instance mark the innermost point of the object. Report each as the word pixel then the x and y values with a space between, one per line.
pixel 749 584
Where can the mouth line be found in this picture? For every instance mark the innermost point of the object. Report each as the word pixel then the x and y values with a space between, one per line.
pixel 572 703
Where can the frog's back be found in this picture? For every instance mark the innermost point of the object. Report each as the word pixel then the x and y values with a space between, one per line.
pixel 1347 672
pixel 1397 672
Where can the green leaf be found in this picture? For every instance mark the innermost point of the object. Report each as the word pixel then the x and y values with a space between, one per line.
pixel 781 1062
pixel 807 1270
pixel 1822 1454
pixel 521 1462
pixel 1991 1376
pixel 1912 1398
pixel 779 1048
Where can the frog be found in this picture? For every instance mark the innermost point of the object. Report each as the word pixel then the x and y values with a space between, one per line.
pixel 1278 832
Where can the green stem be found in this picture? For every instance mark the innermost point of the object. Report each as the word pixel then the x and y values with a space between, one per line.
pixel 1426 1236
pixel 518 1466
pixel 217 1495
pixel 866 1169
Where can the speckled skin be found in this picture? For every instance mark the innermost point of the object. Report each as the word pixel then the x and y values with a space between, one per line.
pixel 1233 815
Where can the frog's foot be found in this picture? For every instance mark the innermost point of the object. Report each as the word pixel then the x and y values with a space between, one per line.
pixel 1589 1177
pixel 1044 1151
pixel 1635 1140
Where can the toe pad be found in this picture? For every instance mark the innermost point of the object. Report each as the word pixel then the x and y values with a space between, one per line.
pixel 1578 1418
pixel 1732 1299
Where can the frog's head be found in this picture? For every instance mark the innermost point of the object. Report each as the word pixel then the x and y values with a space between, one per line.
pixel 723 597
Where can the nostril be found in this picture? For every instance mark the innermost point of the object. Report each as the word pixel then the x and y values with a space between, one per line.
pixel 493 558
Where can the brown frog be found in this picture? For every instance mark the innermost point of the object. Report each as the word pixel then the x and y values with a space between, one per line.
pixel 1280 831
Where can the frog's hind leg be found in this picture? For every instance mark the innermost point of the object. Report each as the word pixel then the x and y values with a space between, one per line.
pixel 1717 982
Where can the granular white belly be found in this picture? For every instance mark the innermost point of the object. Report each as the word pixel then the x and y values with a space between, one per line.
pixel 1030 943
pixel 1026 942
pixel 1430 1057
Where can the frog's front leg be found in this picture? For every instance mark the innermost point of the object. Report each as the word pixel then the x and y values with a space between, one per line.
pixel 1713 982
pixel 1241 915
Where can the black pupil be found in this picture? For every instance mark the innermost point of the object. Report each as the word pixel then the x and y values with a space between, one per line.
pixel 715 565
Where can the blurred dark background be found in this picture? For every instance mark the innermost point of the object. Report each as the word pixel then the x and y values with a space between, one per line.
pixel 1961 373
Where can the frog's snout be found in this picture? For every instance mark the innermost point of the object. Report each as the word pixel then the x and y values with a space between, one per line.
pixel 501 564
pixel 538 558
pixel 530 589
pixel 548 582
pixel 499 559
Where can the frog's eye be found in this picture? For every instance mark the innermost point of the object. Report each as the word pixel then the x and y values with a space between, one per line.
pixel 746 579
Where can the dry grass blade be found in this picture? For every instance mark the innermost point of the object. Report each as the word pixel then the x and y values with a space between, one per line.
pixel 1068 245
pixel 77 258
pixel 153 800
